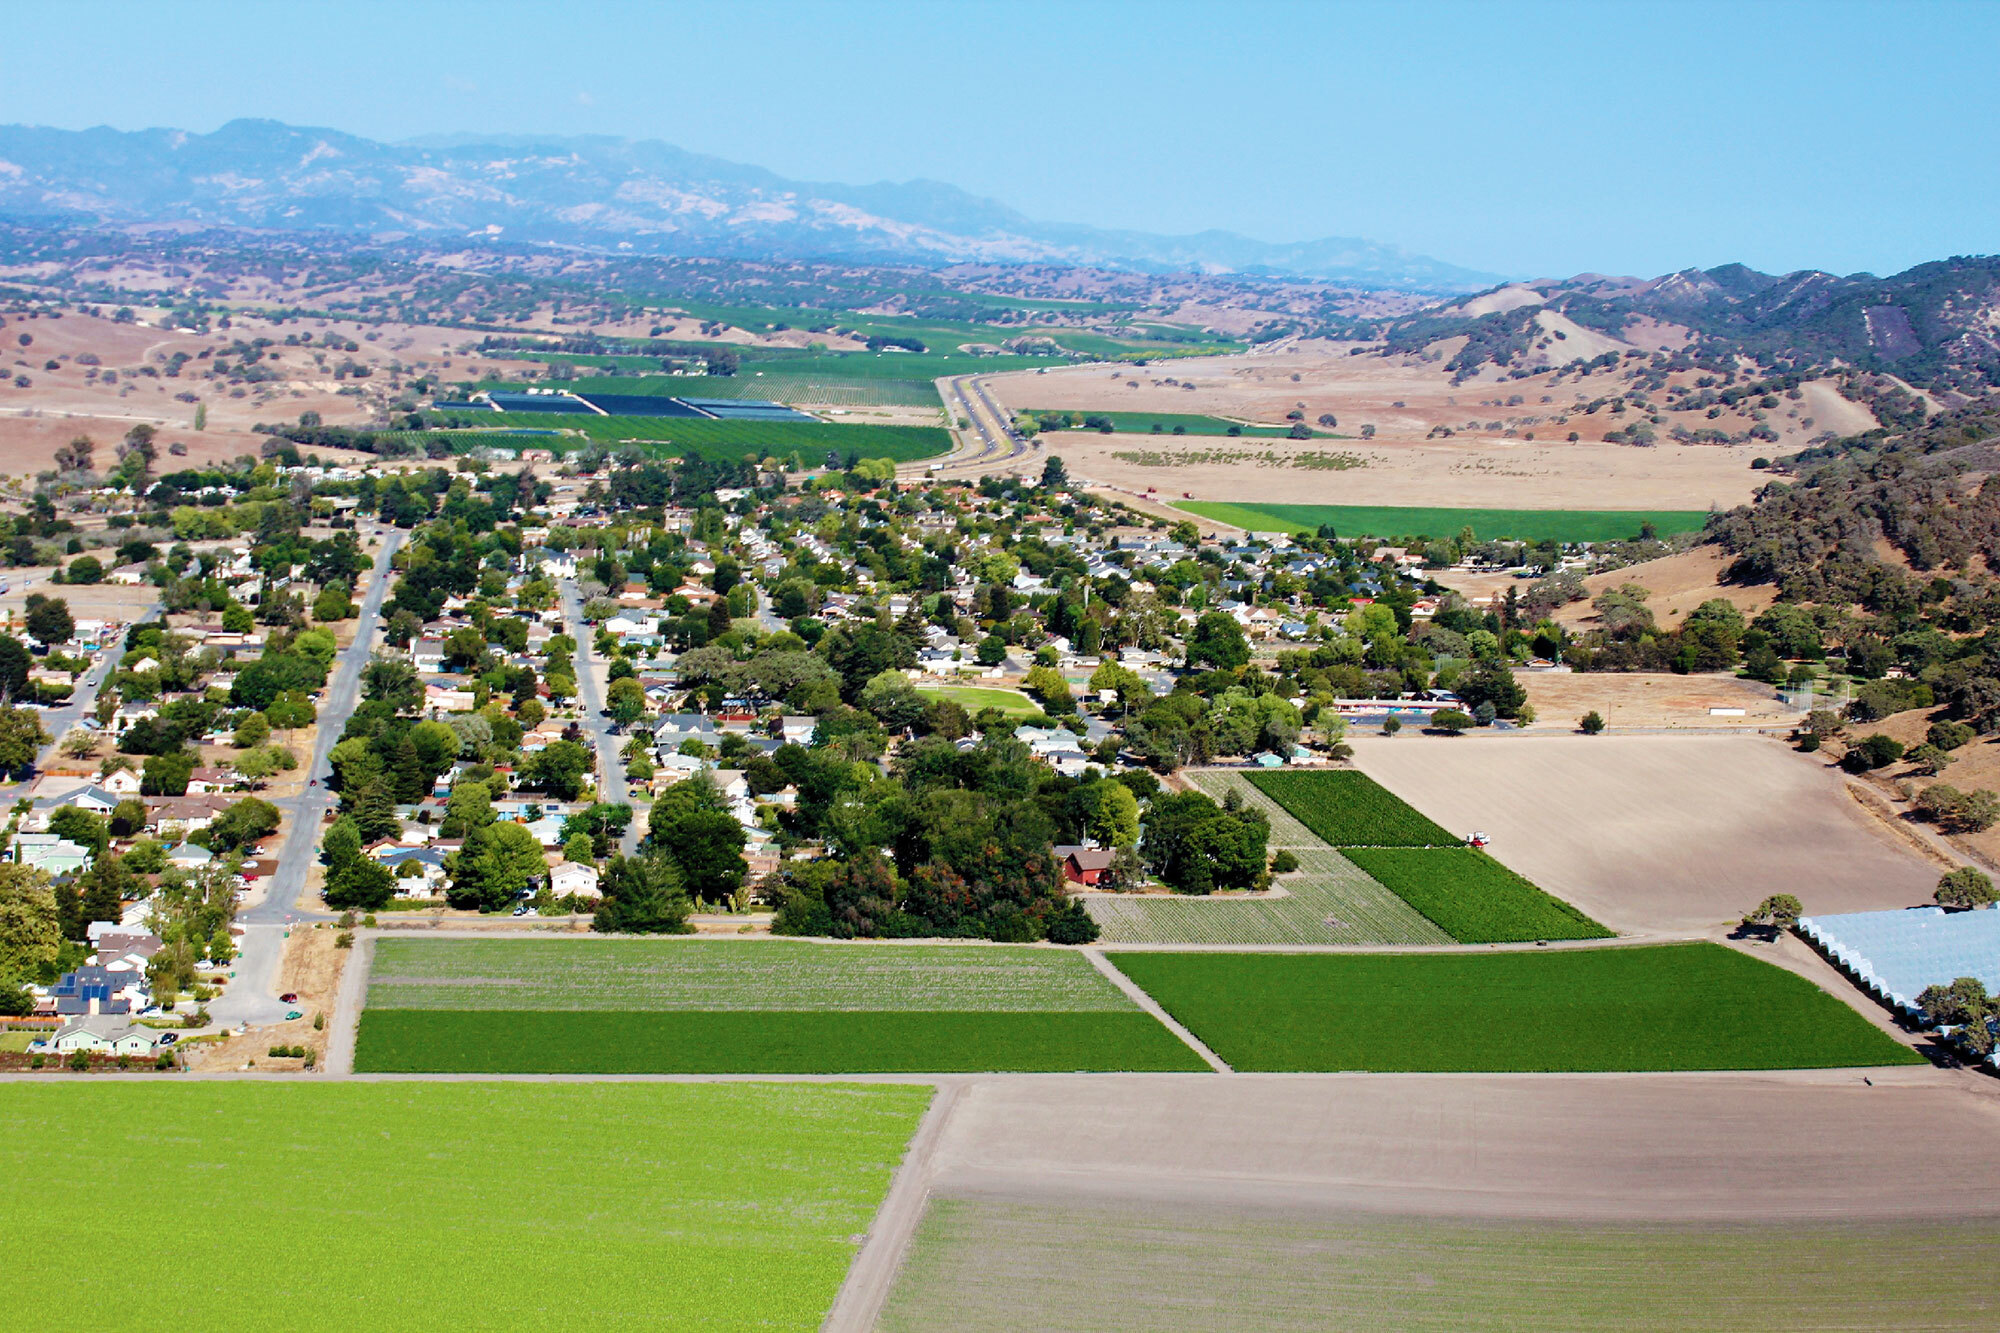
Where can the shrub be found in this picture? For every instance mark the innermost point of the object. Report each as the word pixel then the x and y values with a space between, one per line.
pixel 1450 721
pixel 1876 751
pixel 1949 735
pixel 1590 723
pixel 1284 863
pixel 1966 887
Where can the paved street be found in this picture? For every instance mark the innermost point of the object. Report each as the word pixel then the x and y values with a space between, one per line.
pixel 590 699
pixel 252 997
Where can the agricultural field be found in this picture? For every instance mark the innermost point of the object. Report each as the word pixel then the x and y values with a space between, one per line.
pixel 679 436
pixel 1690 1006
pixel 1565 525
pixel 705 1006
pixel 972 698
pixel 831 387
pixel 1329 901
pixel 1351 809
pixel 1175 423
pixel 327 1205
pixel 1471 896
pixel 1107 1266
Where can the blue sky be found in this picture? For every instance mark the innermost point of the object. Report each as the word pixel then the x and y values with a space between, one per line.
pixel 1531 139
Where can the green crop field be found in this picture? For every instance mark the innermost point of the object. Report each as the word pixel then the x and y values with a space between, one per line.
pixel 1076 1264
pixel 1328 902
pixel 1350 809
pixel 1472 897
pixel 767 1006
pixel 972 698
pixel 419 1206
pixel 780 382
pixel 677 436
pixel 1658 1007
pixel 1175 423
pixel 1537 525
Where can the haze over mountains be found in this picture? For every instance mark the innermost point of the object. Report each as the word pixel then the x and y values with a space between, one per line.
pixel 642 196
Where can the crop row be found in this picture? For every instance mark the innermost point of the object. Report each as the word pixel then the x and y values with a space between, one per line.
pixel 1350 809
pixel 1472 897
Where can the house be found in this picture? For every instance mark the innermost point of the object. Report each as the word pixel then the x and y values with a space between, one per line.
pixel 206 780
pixel 422 882
pixel 48 852
pixel 427 654
pixel 190 856
pixel 121 782
pixel 178 816
pixel 94 989
pixel 573 877
pixel 101 1035
pixel 130 575
pixel 1084 866
pixel 797 730
pixel 91 798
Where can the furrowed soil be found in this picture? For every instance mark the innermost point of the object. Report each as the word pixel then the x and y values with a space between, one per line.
pixel 1658 834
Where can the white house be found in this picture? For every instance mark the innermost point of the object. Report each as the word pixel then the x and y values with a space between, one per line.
pixel 574 877
pixel 104 1034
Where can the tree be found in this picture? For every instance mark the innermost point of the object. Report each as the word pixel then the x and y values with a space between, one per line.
pixel 577 849
pixel 1218 640
pixel 1780 912
pixel 363 884
pixel 1876 751
pixel 1055 475
pixel 642 896
pixel 1451 721
pixel 1591 723
pixel 85 569
pixel 242 824
pixel 1964 1001
pixel 49 620
pixel 1112 817
pixel 30 930
pixel 167 774
pixel 128 817
pixel 1072 923
pixel 557 769
pixel 252 731
pixel 1966 887
pixel 691 824
pixel 496 863
pixel 1491 682
pixel 82 828
pixel 21 739
pixel 342 843
pixel 626 701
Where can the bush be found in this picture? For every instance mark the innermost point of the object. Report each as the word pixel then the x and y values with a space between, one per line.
pixel 1284 863
pixel 1590 723
pixel 1872 752
pixel 1949 735
pixel 1450 721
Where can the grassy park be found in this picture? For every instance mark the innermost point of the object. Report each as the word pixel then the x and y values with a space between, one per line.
pixel 327 1206
pixel 1661 1007
pixel 1536 525
pixel 973 698
pixel 704 1006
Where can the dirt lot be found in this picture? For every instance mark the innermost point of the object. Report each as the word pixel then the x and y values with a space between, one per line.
pixel 1659 834
pixel 1648 699
pixel 311 966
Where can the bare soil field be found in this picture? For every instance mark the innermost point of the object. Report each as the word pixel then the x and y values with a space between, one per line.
pixel 1677 585
pixel 1651 699
pixel 1509 446
pixel 1659 834
pixel 122 602
pixel 311 968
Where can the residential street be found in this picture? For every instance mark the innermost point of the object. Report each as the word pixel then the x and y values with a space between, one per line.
pixel 251 997
pixel 590 701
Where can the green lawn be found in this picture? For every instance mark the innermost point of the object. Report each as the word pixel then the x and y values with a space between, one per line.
pixel 745 1041
pixel 1566 525
pixel 1471 896
pixel 742 1006
pixel 973 698
pixel 336 1206
pixel 17 1041
pixel 1661 1007
pixel 1351 809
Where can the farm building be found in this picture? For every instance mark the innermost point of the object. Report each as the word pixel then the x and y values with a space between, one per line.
pixel 1896 955
pixel 1084 866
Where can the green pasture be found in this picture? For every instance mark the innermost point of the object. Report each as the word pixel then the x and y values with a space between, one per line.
pixel 1536 525
pixel 1660 1007
pixel 332 1205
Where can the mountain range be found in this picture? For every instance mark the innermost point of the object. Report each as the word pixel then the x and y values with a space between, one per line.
pixel 609 194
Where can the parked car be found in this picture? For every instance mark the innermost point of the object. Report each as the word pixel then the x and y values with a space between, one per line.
pixel 169 1038
pixel 289 997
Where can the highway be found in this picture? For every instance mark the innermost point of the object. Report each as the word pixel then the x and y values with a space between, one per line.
pixel 590 699
pixel 251 998
pixel 995 442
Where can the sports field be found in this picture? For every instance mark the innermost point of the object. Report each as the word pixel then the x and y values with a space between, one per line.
pixel 767 1006
pixel 419 1206
pixel 972 698
pixel 1109 1266
pixel 1563 525
pixel 1662 1007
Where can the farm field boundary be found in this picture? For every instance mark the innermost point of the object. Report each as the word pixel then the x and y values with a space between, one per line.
pixel 1563 525
pixel 1695 1006
pixel 322 1181
pixel 693 1006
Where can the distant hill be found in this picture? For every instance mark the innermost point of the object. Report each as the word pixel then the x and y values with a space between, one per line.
pixel 1936 325
pixel 610 194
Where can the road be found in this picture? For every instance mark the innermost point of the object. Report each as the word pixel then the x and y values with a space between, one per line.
pixel 251 998
pixel 610 768
pixel 991 429
pixel 58 721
